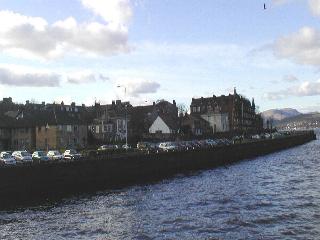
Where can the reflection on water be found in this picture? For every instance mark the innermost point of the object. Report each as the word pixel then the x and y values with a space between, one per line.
pixel 272 197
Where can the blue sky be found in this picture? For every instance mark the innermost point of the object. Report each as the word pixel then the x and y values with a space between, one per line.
pixel 81 50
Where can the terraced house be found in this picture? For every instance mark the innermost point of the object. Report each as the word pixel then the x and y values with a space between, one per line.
pixel 43 126
pixel 110 121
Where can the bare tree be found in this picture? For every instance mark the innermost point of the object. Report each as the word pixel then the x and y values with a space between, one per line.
pixel 182 109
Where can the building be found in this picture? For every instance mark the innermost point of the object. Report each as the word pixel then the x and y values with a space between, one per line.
pixel 162 125
pixel 42 126
pixel 212 111
pixel 110 122
pixel 232 113
pixel 63 131
pixel 156 121
pixel 194 126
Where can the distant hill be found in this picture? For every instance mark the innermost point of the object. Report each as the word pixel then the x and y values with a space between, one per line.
pixel 302 121
pixel 279 114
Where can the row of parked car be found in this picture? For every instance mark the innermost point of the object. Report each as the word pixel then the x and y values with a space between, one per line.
pixel 183 145
pixel 200 144
pixel 24 157
pixel 268 135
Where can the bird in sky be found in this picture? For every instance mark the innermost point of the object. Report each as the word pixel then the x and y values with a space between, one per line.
pixel 264 6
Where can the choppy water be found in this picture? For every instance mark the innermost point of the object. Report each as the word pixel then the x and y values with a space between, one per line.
pixel 272 197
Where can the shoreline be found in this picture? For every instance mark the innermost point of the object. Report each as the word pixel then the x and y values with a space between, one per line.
pixel 27 185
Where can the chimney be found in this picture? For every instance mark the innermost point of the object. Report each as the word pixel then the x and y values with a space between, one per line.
pixel 73 104
pixel 153 104
pixel 113 103
pixel 174 102
pixel 118 102
pixel 27 102
pixel 43 103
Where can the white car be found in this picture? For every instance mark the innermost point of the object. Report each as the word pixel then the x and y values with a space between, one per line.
pixel 167 146
pixel 7 159
pixel 22 156
pixel 55 155
pixel 255 136
pixel 71 154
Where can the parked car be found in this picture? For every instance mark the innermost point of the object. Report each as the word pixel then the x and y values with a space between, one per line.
pixel 7 159
pixel 126 146
pixel 256 136
pixel 71 154
pixel 55 155
pixel 107 147
pixel 167 146
pixel 22 156
pixel 40 156
pixel 143 146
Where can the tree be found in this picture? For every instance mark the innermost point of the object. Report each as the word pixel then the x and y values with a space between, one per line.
pixel 182 109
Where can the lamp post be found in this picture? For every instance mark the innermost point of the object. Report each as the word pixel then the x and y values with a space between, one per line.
pixel 125 95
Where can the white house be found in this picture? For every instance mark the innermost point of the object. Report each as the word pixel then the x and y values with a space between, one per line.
pixel 159 126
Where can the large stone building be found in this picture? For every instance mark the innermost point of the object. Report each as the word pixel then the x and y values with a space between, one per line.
pixel 232 113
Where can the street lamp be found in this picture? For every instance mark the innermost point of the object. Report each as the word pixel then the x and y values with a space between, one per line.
pixel 125 95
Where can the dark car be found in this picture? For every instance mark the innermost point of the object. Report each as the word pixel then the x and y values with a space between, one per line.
pixel 40 156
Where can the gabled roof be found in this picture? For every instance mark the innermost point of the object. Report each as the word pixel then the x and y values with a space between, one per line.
pixel 170 121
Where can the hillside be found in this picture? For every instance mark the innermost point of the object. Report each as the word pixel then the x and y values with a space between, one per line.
pixel 279 114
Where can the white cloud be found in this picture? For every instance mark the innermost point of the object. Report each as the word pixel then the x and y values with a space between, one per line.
pixel 290 78
pixel 315 7
pixel 301 47
pixel 136 87
pixel 304 89
pixel 85 76
pixel 28 78
pixel 24 35
pixel 117 13
pixel 308 109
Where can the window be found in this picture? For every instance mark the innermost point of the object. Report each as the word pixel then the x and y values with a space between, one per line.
pixel 75 128
pixel 198 109
pixel 97 129
pixel 121 124
pixel 69 128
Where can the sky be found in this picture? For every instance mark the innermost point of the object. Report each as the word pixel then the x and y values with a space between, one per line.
pixel 144 50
